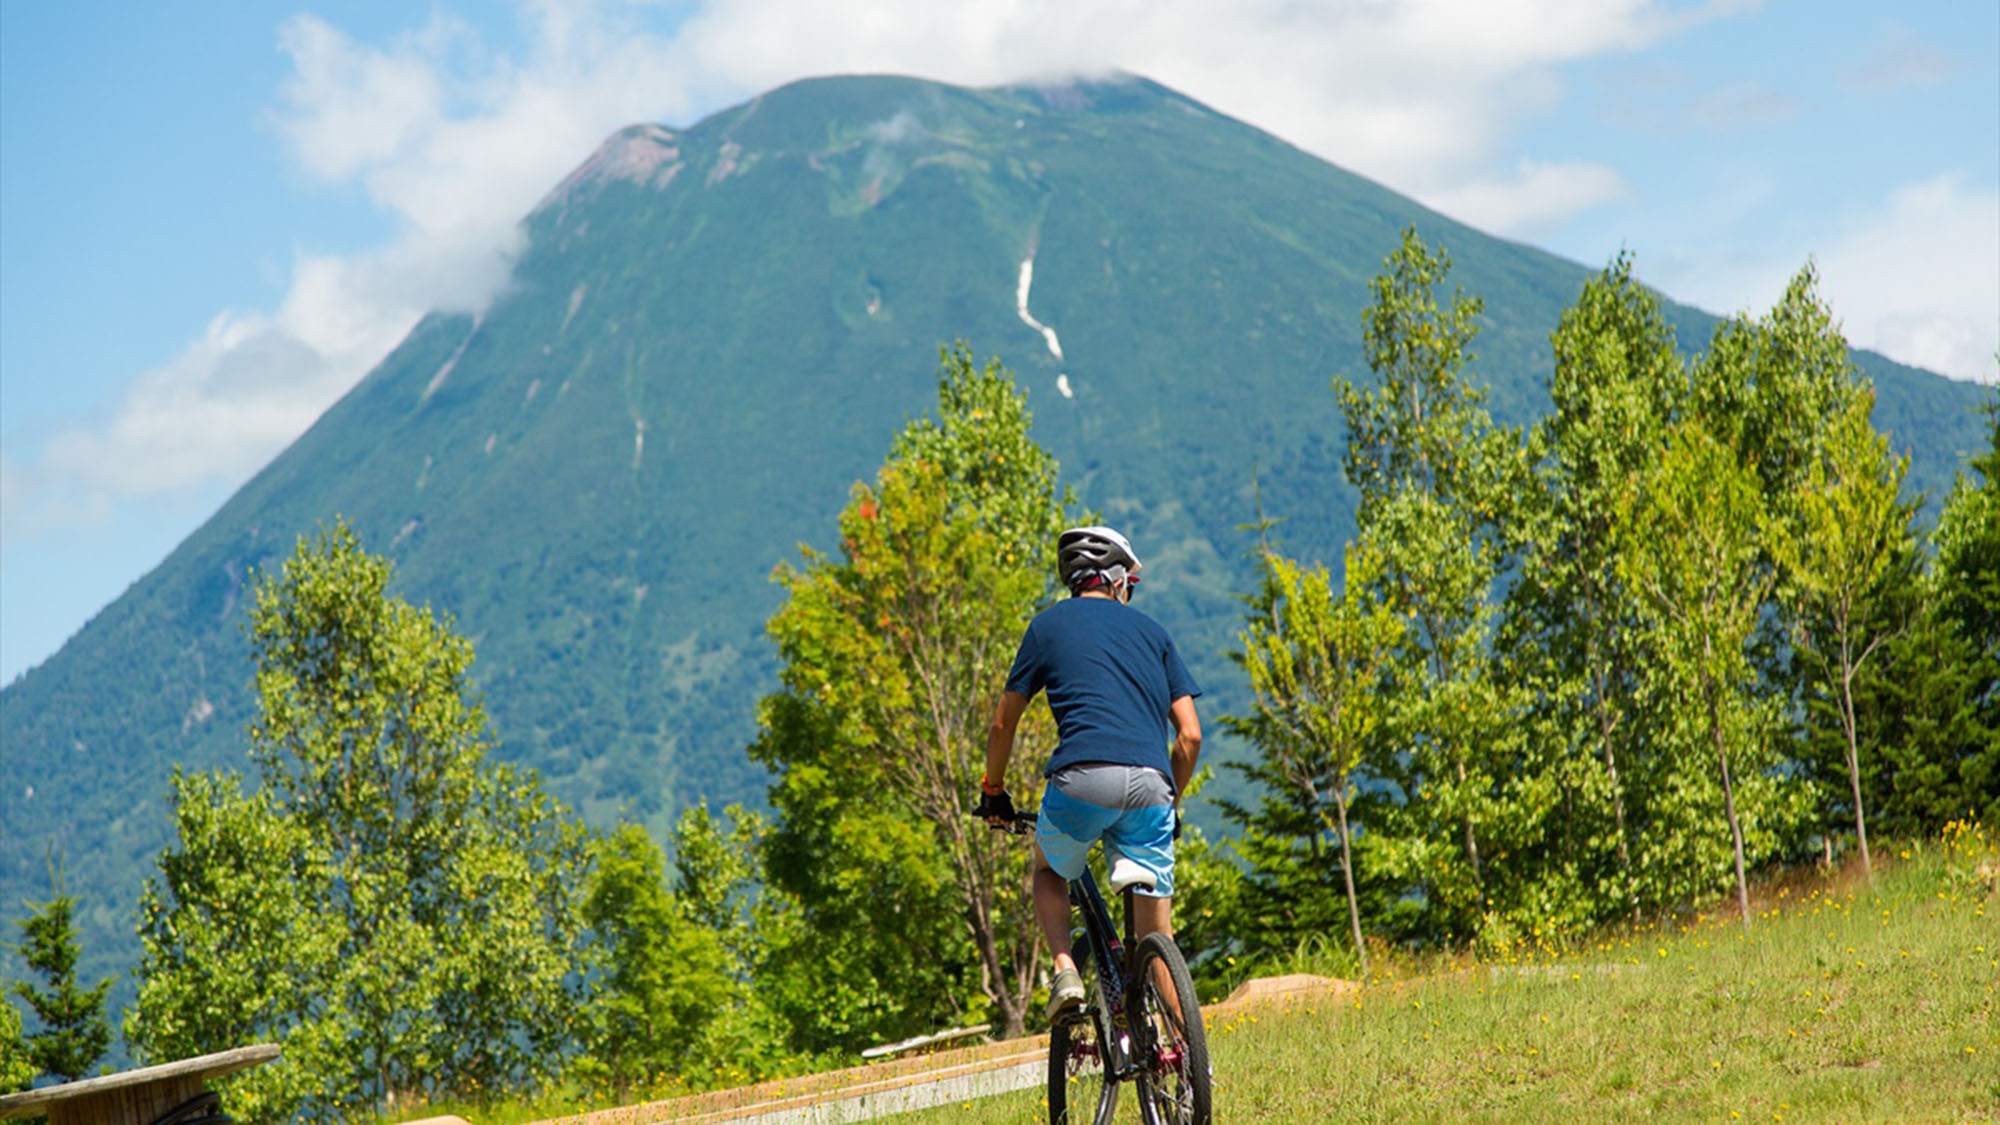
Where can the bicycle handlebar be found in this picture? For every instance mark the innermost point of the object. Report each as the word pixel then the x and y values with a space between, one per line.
pixel 1022 823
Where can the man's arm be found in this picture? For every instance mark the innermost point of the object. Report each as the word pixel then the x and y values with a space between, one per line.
pixel 1000 735
pixel 1187 743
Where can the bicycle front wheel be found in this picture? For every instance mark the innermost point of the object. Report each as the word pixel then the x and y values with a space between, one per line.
pixel 1079 1093
pixel 1174 1075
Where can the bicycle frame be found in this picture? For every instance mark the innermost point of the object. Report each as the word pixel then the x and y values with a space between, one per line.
pixel 1102 945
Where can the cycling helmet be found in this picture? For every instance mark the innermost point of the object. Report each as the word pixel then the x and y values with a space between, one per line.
pixel 1083 553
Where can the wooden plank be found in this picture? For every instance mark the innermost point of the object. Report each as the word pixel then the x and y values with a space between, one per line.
pixel 126 1096
pixel 931 1040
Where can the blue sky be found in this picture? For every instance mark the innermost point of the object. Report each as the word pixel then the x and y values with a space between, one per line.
pixel 215 217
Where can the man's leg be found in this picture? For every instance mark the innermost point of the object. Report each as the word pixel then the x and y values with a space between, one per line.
pixel 1156 916
pixel 1152 915
pixel 1052 910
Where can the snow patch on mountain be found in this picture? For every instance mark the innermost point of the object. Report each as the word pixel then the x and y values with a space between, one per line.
pixel 725 162
pixel 438 379
pixel 1048 334
pixel 1021 307
pixel 198 713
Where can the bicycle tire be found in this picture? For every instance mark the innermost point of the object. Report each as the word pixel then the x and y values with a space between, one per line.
pixel 1175 1081
pixel 1076 1069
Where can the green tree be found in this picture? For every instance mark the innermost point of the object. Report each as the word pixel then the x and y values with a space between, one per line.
pixel 893 656
pixel 1315 662
pixel 1930 756
pixel 394 908
pixel 1852 527
pixel 1435 475
pixel 714 874
pixel 664 976
pixel 1942 683
pixel 1422 425
pixel 864 886
pixel 17 1067
pixel 1772 388
pixel 74 1035
pixel 1968 563
pixel 1693 536
pixel 1570 635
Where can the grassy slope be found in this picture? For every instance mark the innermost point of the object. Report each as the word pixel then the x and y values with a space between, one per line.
pixel 1842 1004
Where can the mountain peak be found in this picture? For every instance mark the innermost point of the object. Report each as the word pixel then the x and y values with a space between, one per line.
pixel 827 116
pixel 642 154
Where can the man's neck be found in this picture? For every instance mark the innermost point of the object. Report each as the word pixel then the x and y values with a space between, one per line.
pixel 1104 592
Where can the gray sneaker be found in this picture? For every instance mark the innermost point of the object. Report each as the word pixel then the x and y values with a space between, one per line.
pixel 1065 996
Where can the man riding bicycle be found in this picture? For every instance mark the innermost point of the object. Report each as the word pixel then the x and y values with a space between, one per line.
pixel 1115 684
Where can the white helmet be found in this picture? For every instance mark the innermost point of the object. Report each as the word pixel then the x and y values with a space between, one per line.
pixel 1082 552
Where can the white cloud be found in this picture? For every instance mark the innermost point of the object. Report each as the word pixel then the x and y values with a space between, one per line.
pixel 1413 94
pixel 248 384
pixel 1533 196
pixel 1898 58
pixel 1919 281
pixel 453 142
pixel 1915 276
pixel 457 141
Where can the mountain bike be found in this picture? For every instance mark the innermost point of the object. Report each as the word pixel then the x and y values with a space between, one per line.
pixel 1140 1021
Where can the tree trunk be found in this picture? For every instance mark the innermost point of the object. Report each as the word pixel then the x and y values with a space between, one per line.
pixel 1313 842
pixel 1611 769
pixel 1854 759
pixel 1602 679
pixel 1347 873
pixel 1442 670
pixel 1471 841
pixel 1729 805
pixel 994 978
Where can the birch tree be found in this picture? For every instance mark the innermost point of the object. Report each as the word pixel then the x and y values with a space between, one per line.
pixel 1570 632
pixel 1436 477
pixel 1692 539
pixel 1852 527
pixel 1316 665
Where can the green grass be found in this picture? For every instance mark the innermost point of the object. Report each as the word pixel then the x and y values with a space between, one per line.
pixel 1842 1003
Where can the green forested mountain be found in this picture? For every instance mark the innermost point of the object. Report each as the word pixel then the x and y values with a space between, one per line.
pixel 711 333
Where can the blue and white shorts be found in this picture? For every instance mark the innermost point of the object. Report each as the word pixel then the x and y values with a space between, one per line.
pixel 1130 808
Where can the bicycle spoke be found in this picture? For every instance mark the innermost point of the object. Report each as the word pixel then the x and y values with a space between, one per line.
pixel 1174 1080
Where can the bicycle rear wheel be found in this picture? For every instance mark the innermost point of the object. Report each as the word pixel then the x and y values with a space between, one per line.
pixel 1079 1092
pixel 1174 1075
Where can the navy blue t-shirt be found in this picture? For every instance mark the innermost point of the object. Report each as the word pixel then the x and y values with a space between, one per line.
pixel 1111 673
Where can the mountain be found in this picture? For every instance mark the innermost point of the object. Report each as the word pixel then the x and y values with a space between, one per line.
pixel 711 333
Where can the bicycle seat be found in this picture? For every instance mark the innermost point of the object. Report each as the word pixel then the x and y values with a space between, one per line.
pixel 1125 873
